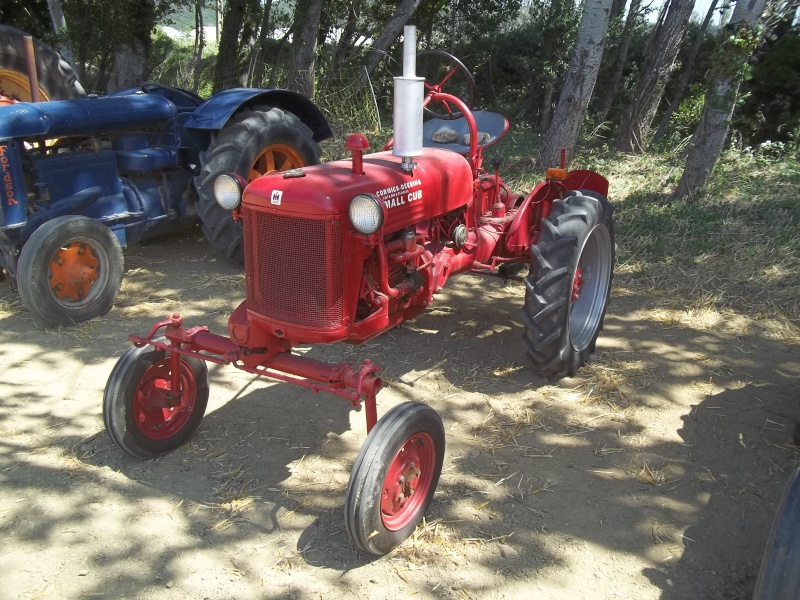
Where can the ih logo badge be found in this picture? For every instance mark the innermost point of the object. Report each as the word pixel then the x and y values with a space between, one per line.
pixel 276 197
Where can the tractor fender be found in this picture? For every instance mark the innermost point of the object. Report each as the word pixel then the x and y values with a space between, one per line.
pixel 215 112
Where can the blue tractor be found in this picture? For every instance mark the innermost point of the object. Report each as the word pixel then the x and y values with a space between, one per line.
pixel 85 177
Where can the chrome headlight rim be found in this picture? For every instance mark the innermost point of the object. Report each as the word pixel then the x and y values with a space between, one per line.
pixel 366 213
pixel 227 189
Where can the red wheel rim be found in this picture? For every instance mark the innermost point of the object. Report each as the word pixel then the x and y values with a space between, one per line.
pixel 73 271
pixel 157 414
pixel 408 481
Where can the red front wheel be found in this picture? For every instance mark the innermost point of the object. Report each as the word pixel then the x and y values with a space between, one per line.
pixel 142 412
pixel 394 477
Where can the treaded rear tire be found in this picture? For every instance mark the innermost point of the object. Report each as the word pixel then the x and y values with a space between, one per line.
pixel 234 149
pixel 56 76
pixel 562 320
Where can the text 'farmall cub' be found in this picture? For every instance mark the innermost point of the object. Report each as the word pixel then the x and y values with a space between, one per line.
pixel 347 250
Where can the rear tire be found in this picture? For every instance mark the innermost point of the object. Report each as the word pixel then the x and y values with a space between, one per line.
pixel 57 80
pixel 254 143
pixel 70 270
pixel 567 290
pixel 779 576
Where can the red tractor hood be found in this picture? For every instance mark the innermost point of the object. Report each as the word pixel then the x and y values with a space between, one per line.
pixel 441 182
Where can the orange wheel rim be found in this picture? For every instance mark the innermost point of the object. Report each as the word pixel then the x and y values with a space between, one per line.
pixel 17 86
pixel 73 271
pixel 274 158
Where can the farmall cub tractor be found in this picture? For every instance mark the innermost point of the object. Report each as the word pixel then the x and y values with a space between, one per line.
pixel 345 251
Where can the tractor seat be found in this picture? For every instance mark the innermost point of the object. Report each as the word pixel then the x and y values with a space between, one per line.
pixel 491 128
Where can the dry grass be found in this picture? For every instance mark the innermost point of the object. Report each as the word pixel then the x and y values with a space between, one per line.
pixel 505 430
pixel 613 379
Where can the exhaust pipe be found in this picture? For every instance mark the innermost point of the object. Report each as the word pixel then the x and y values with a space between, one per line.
pixel 409 91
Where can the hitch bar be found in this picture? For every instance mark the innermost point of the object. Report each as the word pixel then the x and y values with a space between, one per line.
pixel 340 379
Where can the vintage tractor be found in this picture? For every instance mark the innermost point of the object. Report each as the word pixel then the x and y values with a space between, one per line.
pixel 347 250
pixel 85 177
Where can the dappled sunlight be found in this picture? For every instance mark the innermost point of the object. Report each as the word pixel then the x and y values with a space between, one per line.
pixel 680 420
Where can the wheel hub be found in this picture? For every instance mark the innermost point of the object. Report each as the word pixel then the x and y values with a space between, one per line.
pixel 158 411
pixel 73 271
pixel 407 481
pixel 577 284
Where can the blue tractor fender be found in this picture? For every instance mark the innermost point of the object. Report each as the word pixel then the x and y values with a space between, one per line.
pixel 215 112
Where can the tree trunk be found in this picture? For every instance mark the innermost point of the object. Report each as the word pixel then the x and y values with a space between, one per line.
pixel 660 52
pixel 227 57
pixel 260 69
pixel 199 43
pixel 60 28
pixel 547 106
pixel 389 33
pixel 687 73
pixel 579 83
pixel 304 46
pixel 131 56
pixel 344 48
pixel 620 62
pixel 722 89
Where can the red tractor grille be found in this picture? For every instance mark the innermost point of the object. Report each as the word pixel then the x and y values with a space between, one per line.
pixel 294 269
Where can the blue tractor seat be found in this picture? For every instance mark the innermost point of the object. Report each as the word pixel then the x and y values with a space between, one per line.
pixel 493 124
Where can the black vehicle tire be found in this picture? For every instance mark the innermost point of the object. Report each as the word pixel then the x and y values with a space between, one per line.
pixel 57 80
pixel 70 271
pixel 255 142
pixel 568 287
pixel 779 575
pixel 405 448
pixel 135 411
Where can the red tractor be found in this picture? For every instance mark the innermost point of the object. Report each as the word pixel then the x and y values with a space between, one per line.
pixel 344 251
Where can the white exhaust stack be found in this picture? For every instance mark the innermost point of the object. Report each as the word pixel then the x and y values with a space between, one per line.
pixel 409 91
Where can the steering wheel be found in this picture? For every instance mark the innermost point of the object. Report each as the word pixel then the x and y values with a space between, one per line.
pixel 451 73
pixel 179 97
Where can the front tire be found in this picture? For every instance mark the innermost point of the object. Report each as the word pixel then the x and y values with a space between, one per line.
pixel 394 477
pixel 256 142
pixel 140 414
pixel 569 284
pixel 70 271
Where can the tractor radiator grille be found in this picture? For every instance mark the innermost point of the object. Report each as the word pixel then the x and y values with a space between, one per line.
pixel 294 269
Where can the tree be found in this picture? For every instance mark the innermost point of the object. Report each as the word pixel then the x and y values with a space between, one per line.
pixel 579 84
pixel 634 14
pixel 133 50
pixel 60 29
pixel 722 90
pixel 391 30
pixel 661 52
pixel 238 29
pixel 304 46
pixel 687 73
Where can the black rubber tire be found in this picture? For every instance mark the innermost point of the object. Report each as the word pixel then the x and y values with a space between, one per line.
pixel 363 516
pixel 560 333
pixel 34 274
pixel 119 400
pixel 779 576
pixel 234 149
pixel 56 78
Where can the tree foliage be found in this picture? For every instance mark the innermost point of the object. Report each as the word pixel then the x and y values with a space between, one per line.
pixel 518 51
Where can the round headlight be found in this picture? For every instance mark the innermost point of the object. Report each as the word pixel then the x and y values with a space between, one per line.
pixel 228 190
pixel 366 213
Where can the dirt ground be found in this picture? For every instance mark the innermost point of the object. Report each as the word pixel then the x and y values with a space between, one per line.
pixel 655 474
